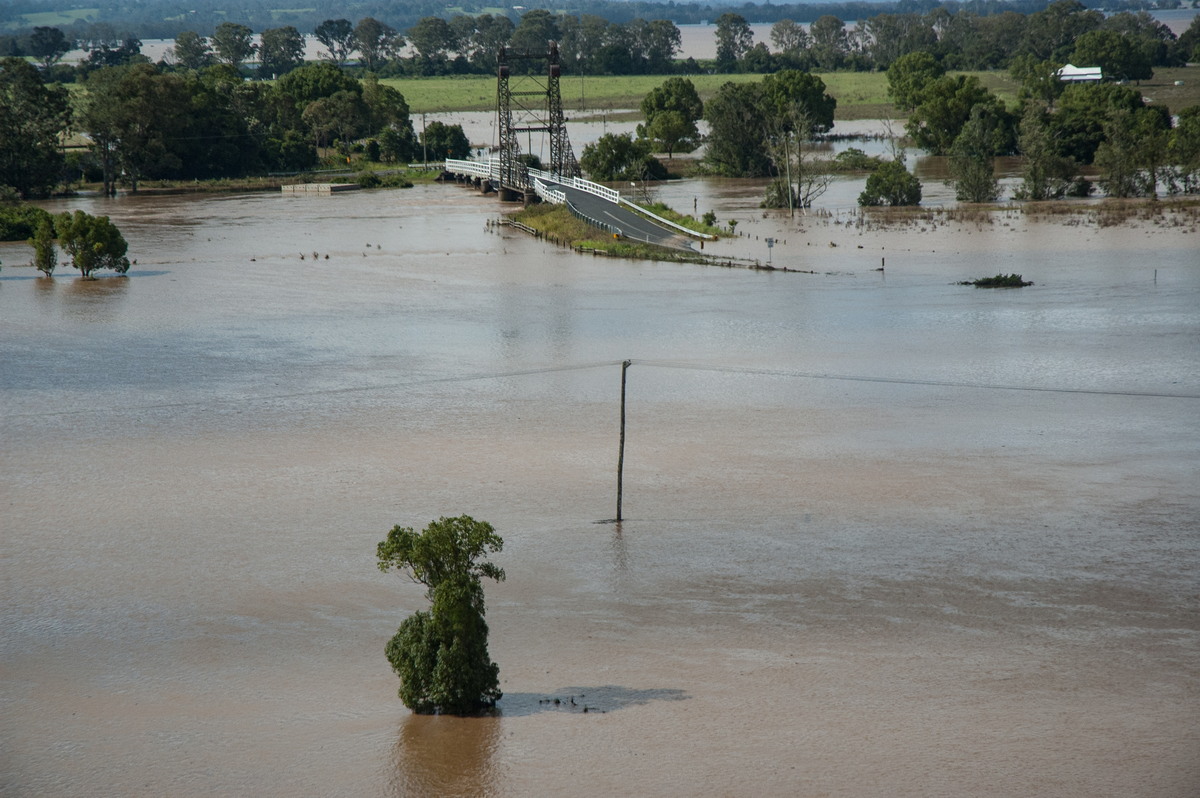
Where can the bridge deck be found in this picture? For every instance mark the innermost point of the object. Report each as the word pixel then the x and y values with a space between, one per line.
pixel 600 205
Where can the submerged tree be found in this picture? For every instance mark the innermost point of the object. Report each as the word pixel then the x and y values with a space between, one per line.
pixel 441 656
pixel 45 258
pixel 801 176
pixel 93 242
pixel 1046 174
pixel 972 165
pixel 891 184
pixel 619 156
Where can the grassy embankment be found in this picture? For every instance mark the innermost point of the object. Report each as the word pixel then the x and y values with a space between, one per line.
pixel 555 223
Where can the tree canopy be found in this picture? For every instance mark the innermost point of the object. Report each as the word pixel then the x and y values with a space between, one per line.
pixel 671 111
pixel 32 115
pixel 441 655
pixel 619 156
pixel 891 184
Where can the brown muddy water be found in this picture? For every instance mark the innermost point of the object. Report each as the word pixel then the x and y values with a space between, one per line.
pixel 884 534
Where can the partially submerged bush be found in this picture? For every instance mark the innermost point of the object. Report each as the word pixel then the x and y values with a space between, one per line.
pixel 999 281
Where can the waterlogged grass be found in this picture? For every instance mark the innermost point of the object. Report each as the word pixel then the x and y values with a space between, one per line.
pixel 683 219
pixel 555 223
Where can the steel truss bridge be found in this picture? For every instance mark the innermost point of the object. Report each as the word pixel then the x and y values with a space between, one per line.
pixel 532 104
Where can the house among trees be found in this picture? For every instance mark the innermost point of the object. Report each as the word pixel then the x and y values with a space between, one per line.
pixel 1073 74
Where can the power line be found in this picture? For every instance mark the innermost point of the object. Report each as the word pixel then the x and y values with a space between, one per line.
pixel 907 381
pixel 665 364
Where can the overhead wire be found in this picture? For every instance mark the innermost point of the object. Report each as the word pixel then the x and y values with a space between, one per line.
pixel 664 364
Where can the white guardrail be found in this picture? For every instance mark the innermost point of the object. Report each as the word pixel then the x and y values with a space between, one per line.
pixel 490 168
pixel 669 223
pixel 548 194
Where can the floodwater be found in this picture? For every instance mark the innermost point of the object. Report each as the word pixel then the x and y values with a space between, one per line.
pixel 883 534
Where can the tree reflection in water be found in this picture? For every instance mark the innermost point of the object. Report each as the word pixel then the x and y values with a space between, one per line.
pixel 440 755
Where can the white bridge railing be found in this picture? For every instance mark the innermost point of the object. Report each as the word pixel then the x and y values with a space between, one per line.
pixel 578 183
pixel 489 168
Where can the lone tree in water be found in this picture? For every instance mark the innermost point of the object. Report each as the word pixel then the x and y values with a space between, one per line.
pixel 441 656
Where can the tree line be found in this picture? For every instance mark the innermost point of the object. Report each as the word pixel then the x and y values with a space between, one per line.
pixel 161 20
pixel 1062 132
pixel 142 122
pixel 1128 45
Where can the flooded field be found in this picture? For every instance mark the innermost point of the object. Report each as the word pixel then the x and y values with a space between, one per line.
pixel 884 534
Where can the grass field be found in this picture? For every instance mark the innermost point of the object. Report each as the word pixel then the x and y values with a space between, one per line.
pixel 860 95
pixel 53 19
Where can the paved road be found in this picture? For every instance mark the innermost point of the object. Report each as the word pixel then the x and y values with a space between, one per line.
pixel 629 223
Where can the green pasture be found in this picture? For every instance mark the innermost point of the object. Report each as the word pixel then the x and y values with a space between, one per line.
pixel 860 95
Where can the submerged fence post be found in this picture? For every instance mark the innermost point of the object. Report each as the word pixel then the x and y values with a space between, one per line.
pixel 621 451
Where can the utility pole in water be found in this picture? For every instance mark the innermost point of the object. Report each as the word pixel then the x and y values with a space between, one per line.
pixel 621 451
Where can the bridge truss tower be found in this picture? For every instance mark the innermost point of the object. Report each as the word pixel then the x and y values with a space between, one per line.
pixel 532 105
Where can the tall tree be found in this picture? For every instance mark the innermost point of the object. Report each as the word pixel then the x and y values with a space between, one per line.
pixel 829 44
pixel 234 43
pixel 789 38
pixel 134 116
pixel 93 242
pixel 1132 153
pixel 618 156
pixel 1183 151
pixel 441 656
pixel 1114 53
pixel 1045 174
pixel 972 161
pixel 909 76
pixel 735 125
pixel 891 184
pixel 491 33
pixel 800 177
pixel 734 39
pixel 440 140
pixel 376 42
pixel 678 133
pixel 192 50
pixel 45 256
pixel 659 41
pixel 341 117
pixel 296 90
pixel 1050 34
pixel 33 117
pixel 386 107
pixel 48 45
pixel 338 37
pixel 432 37
pixel 1039 79
pixel 534 32
pixel 890 36
pixel 1077 125
pixel 790 92
pixel 281 50
pixel 945 107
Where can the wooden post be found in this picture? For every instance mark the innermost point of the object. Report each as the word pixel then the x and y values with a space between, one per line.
pixel 621 452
